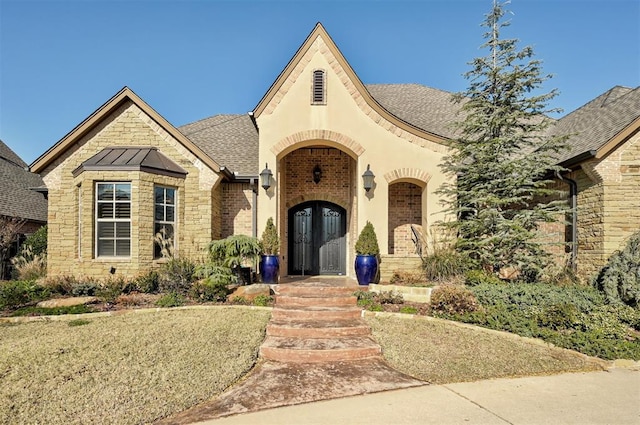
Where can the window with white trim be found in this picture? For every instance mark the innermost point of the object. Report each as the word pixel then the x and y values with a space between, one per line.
pixel 113 219
pixel 164 222
pixel 318 88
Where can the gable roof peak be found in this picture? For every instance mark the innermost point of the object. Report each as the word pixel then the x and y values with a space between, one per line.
pixel 123 95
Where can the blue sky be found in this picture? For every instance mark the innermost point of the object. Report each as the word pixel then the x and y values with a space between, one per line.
pixel 61 60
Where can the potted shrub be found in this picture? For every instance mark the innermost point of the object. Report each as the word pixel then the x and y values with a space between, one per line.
pixel 270 264
pixel 234 252
pixel 367 252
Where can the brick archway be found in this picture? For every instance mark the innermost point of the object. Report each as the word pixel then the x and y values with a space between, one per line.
pixel 411 175
pixel 311 137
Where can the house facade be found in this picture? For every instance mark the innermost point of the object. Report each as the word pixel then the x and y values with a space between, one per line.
pixel 125 184
pixel 21 198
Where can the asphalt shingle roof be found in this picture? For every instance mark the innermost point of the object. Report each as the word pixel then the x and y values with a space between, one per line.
pixel 230 140
pixel 594 124
pixel 424 107
pixel 16 197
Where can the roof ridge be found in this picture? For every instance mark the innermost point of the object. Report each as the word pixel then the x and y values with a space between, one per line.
pixel 211 116
pixel 606 101
pixel 409 84
pixel 234 117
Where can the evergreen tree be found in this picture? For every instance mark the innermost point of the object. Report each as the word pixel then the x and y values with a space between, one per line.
pixel 502 160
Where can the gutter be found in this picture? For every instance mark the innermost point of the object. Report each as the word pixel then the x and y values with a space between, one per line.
pixel 573 200
pixel 573 161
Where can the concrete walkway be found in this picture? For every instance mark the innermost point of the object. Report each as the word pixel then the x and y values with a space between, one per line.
pixel 611 397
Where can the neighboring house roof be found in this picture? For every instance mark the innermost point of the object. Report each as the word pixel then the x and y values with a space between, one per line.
pixel 601 124
pixel 124 95
pixel 131 159
pixel 231 140
pixel 16 197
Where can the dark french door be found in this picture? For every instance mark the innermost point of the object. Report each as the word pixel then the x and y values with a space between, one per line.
pixel 317 242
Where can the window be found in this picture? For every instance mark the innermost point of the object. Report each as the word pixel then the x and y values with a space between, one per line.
pixel 113 219
pixel 165 219
pixel 318 88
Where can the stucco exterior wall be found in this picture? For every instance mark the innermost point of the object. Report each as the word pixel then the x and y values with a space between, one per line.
pixel 71 200
pixel 346 122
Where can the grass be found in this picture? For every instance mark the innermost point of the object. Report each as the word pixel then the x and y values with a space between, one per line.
pixel 441 352
pixel 128 369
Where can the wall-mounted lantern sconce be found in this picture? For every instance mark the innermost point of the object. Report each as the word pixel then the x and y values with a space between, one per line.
pixel 265 177
pixel 317 174
pixel 367 179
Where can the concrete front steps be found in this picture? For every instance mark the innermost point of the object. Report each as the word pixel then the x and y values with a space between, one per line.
pixel 313 323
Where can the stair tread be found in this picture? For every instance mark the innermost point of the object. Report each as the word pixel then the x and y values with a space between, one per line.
pixel 320 344
pixel 321 324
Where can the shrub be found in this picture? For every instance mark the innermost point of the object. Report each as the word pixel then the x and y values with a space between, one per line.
pixel 479 277
pixel 61 285
pixel 407 309
pixel 216 274
pixel 234 251
pixel 52 311
pixel 176 275
pixel 524 296
pixel 172 299
pixel 263 300
pixel 453 299
pixel 270 241
pixel 409 278
pixel 208 290
pixel 368 300
pixel 37 241
pixel 558 316
pixel 147 283
pixel 389 297
pixel 110 289
pixel 85 289
pixel 619 279
pixel 240 300
pixel 367 243
pixel 16 293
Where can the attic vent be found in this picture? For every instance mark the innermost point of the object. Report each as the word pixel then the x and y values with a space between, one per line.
pixel 318 88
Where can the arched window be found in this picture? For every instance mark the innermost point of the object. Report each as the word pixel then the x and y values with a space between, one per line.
pixel 318 88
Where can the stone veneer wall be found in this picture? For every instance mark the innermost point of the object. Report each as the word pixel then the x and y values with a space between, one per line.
pixel 336 186
pixel 590 224
pixel 71 200
pixel 405 209
pixel 237 209
pixel 608 205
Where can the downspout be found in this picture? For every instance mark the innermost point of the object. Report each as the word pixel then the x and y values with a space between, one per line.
pixel 573 199
pixel 254 215
pixel 254 205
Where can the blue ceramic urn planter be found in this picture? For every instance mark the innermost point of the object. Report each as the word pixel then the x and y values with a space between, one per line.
pixel 366 268
pixel 269 268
